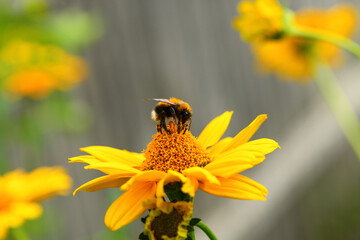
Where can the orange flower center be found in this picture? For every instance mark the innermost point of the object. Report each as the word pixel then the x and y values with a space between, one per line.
pixel 174 151
pixel 4 202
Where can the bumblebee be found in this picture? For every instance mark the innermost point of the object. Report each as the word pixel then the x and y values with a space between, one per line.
pixel 173 108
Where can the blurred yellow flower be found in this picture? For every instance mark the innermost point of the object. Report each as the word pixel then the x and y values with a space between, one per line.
pixel 205 162
pixel 289 57
pixel 259 19
pixel 340 20
pixel 20 194
pixel 34 83
pixel 167 220
pixel 295 57
pixel 35 70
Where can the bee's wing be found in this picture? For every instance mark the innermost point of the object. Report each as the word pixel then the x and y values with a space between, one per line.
pixel 160 100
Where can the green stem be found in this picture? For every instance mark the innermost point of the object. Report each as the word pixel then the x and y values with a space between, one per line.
pixel 3 160
pixel 4 120
pixel 192 235
pixel 339 105
pixel 206 230
pixel 338 40
pixel 292 30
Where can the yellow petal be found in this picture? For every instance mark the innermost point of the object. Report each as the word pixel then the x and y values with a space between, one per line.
pixel 191 186
pixel 27 210
pixel 84 159
pixel 128 206
pixel 146 176
pixel 106 167
pixel 109 154
pixel 261 146
pixel 201 174
pixel 3 229
pixel 244 136
pixel 43 183
pixel 20 211
pixel 108 181
pixel 241 158
pixel 215 129
pixel 251 183
pixel 234 161
pixel 196 175
pixel 171 176
pixel 112 168
pixel 220 146
pixel 228 168
pixel 340 19
pixel 234 188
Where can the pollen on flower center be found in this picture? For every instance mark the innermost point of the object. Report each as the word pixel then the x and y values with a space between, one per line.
pixel 174 151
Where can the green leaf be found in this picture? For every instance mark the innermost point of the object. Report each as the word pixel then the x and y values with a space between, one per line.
pixel 143 219
pixel 142 236
pixel 174 193
pixel 194 221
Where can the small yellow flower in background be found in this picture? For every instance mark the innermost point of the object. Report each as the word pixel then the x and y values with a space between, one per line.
pixel 32 83
pixel 288 57
pixel 35 70
pixel 20 194
pixel 259 19
pixel 205 162
pixel 340 20
pixel 167 220
pixel 304 46
pixel 292 56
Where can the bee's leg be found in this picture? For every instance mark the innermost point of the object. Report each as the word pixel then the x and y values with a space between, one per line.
pixel 158 127
pixel 187 125
pixel 163 125
pixel 183 126
pixel 172 111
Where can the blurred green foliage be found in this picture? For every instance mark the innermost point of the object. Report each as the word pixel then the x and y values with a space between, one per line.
pixel 33 21
pixel 42 42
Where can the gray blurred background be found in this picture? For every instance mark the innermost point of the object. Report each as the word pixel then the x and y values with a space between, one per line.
pixel 189 50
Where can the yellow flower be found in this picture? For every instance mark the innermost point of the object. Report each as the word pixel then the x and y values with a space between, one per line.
pixel 34 83
pixel 296 57
pixel 289 57
pixel 35 70
pixel 340 20
pixel 260 19
pixel 205 162
pixel 167 220
pixel 20 193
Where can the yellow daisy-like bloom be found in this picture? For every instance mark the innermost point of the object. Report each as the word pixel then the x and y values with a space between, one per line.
pixel 205 162
pixel 35 70
pixel 33 83
pixel 295 57
pixel 259 19
pixel 167 220
pixel 20 194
